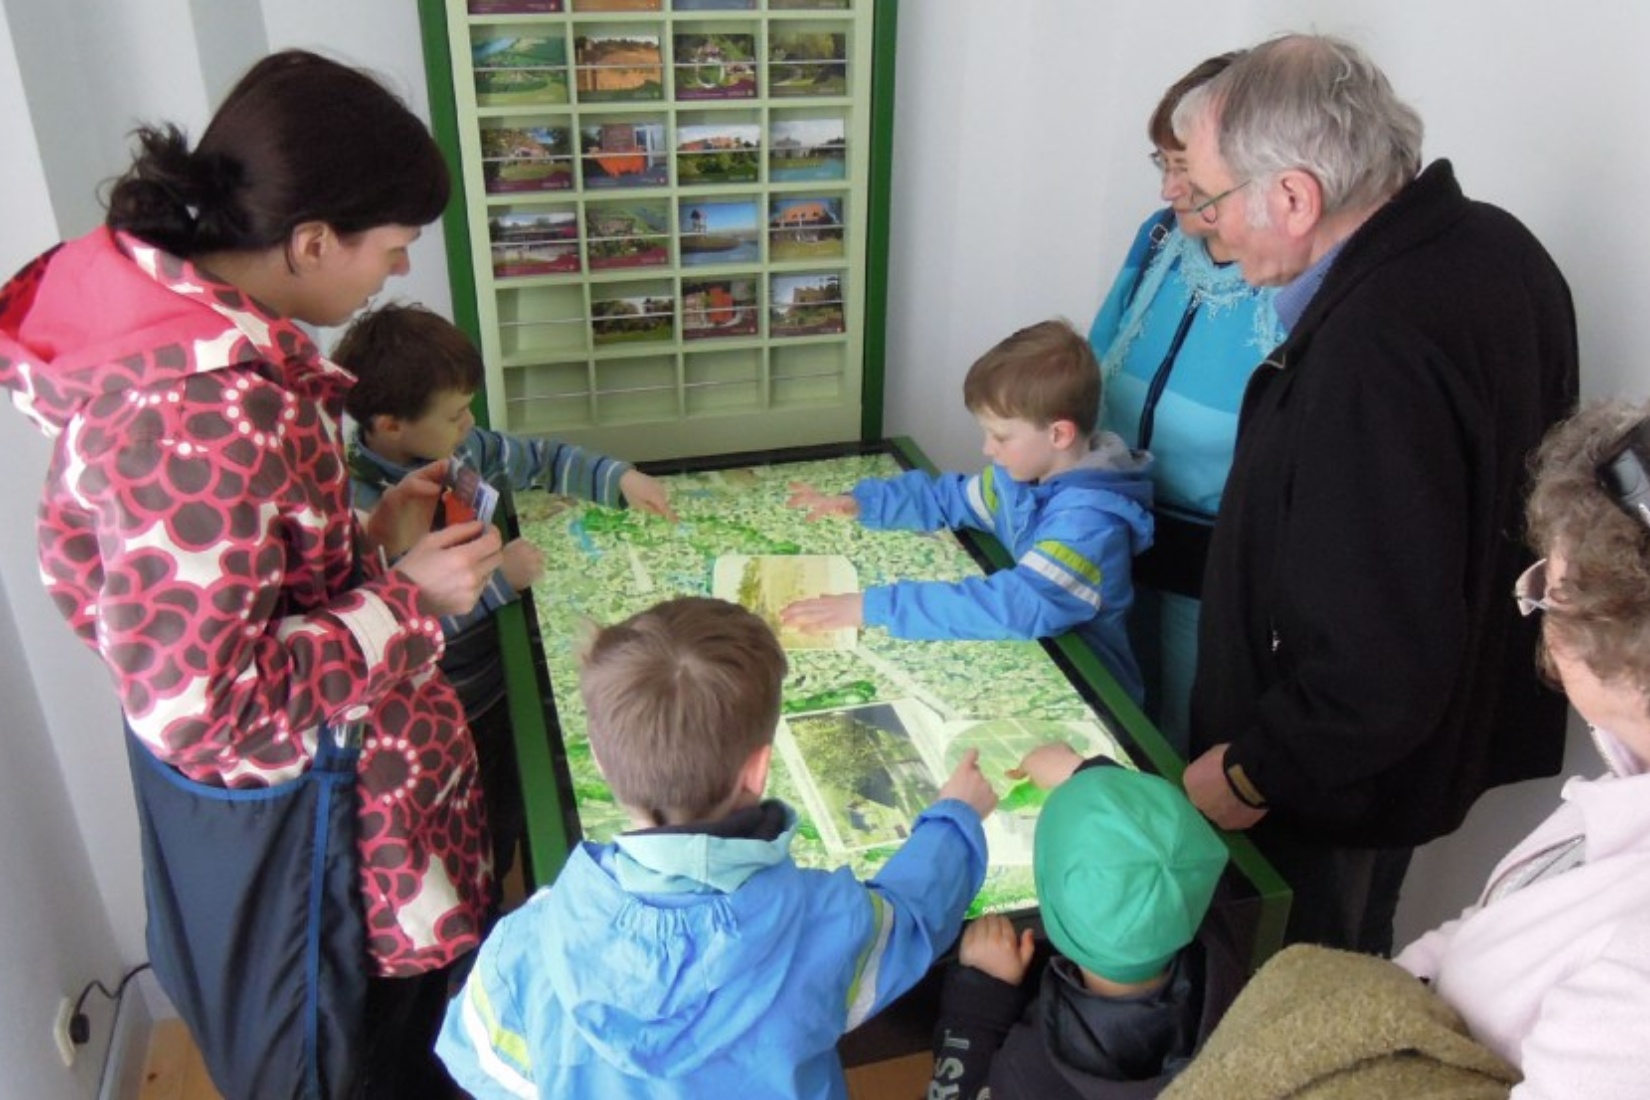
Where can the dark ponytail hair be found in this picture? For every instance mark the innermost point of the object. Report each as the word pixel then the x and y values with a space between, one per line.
pixel 300 138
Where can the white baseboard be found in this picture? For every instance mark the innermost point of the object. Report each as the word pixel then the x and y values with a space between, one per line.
pixel 134 1022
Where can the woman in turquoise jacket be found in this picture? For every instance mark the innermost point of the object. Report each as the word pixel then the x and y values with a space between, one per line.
pixel 1177 338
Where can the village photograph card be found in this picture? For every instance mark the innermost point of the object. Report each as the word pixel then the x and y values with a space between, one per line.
pixel 468 496
pixel 519 69
pixel 526 158
pixel 617 5
pixel 626 235
pixel 632 318
pixel 807 149
pixel 806 305
pixel 623 154
pixel 715 66
pixel 766 584
pixel 718 308
pixel 536 242
pixel 718 152
pixel 718 231
pixel 513 7
pixel 805 229
pixel 620 66
pixel 807 63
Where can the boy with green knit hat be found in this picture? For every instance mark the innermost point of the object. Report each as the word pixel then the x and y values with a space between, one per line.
pixel 1125 869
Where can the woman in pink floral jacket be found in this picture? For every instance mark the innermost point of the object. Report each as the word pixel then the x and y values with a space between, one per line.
pixel 195 527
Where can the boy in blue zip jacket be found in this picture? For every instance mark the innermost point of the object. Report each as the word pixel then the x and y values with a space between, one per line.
pixel 416 374
pixel 691 957
pixel 1071 505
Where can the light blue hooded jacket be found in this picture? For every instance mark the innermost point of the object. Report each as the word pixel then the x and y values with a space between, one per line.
pixel 693 965
pixel 1072 537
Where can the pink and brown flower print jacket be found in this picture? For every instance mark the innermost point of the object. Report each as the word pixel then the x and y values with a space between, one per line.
pixel 195 530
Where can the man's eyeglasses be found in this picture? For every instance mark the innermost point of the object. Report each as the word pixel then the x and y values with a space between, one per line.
pixel 1530 589
pixel 1209 209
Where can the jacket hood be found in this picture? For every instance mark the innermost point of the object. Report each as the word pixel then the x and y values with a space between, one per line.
pixel 1124 478
pixel 107 313
pixel 688 971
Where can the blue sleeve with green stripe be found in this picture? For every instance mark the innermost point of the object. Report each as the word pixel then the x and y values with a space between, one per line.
pixel 918 501
pixel 483 1040
pixel 918 901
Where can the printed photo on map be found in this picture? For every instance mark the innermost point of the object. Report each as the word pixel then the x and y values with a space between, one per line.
pixel 768 583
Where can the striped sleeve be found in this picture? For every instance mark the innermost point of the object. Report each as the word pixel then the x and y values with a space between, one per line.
pixel 1066 567
pixel 481 1043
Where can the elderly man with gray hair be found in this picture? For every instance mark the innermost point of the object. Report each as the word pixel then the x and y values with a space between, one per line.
pixel 1362 676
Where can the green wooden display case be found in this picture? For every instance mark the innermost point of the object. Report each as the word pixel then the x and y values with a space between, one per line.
pixel 670 229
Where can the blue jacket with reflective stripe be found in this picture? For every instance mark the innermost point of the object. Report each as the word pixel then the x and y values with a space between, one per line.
pixel 1072 537
pixel 640 972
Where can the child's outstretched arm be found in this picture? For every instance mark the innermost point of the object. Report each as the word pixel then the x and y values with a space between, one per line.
pixel 646 494
pixel 919 897
pixel 818 504
pixel 526 463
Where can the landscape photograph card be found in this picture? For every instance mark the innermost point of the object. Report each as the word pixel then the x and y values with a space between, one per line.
pixel 542 242
pixel 805 229
pixel 766 584
pixel 718 152
pixel 807 63
pixel 513 69
pixel 513 7
pixel 714 5
pixel 806 305
pixel 630 320
pixel 807 5
pixel 806 149
pixel 618 67
pixel 626 235
pixel 715 66
pixel 718 231
pixel 526 158
pixel 717 308
pixel 617 5
pixel 624 154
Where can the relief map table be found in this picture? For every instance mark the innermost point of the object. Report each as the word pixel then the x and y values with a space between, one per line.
pixel 871 724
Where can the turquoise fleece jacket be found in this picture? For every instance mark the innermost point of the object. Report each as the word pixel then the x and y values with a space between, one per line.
pixel 1072 538
pixel 694 965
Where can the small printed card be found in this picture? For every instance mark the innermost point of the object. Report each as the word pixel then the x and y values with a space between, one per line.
pixel 468 495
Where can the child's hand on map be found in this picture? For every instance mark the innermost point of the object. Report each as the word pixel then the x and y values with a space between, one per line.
pixel 968 784
pixel 646 494
pixel 523 563
pixel 821 613
pixel 818 504
pixel 991 944
pixel 1048 765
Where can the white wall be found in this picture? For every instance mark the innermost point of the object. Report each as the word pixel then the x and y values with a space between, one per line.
pixel 1020 178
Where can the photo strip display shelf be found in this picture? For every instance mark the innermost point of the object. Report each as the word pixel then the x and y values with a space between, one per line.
pixel 671 238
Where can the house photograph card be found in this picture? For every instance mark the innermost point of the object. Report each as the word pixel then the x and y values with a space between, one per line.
pixel 718 152
pixel 526 158
pixel 626 235
pixel 624 154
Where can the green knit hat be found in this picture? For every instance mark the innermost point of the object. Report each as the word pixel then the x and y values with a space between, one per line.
pixel 1125 869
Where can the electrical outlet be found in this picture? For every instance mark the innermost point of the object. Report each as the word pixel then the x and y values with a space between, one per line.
pixel 60 1032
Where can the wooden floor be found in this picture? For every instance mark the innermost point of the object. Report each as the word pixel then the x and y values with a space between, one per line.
pixel 174 1071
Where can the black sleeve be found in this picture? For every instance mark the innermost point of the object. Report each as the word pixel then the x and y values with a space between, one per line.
pixel 976 1013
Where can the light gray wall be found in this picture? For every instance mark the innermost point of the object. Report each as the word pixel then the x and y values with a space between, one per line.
pixel 1020 179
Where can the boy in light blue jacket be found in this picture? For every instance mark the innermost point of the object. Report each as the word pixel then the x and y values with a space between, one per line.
pixel 1071 505
pixel 691 957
